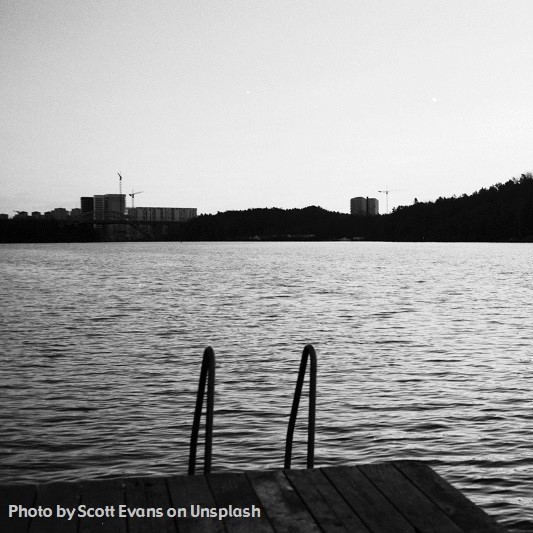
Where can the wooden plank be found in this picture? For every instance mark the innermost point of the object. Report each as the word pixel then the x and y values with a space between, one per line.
pixel 375 511
pixel 102 494
pixel 193 490
pixel 157 495
pixel 52 495
pixel 16 495
pixel 420 511
pixel 457 506
pixel 403 496
pixel 326 505
pixel 235 490
pixel 134 496
pixel 284 508
pixel 337 502
pixel 149 494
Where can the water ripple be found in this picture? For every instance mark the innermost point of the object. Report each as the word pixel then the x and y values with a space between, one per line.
pixel 424 353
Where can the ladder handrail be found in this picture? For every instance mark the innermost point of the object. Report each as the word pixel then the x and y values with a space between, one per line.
pixel 207 373
pixel 308 352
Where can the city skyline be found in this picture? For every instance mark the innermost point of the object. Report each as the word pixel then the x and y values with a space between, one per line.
pixel 230 106
pixel 86 203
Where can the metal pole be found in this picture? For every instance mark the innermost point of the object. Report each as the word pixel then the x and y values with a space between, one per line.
pixel 207 373
pixel 308 351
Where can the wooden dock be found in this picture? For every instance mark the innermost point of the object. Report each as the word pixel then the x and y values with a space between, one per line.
pixel 401 496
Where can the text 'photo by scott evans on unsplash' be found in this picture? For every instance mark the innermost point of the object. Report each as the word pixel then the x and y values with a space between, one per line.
pixel 123 511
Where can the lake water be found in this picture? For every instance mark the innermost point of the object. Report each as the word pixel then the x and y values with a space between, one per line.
pixel 424 349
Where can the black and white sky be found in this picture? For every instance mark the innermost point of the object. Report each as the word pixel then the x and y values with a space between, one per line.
pixel 232 104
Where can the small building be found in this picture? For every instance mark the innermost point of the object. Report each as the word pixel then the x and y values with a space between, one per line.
pixel 36 214
pixel 4 216
pixel 59 213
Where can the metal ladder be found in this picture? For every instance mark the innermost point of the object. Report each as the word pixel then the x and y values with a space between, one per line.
pixel 207 376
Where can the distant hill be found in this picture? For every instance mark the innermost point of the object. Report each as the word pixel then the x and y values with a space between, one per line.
pixel 504 212
pixel 270 224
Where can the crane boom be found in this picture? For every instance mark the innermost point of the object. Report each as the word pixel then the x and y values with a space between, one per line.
pixel 132 194
pixel 386 192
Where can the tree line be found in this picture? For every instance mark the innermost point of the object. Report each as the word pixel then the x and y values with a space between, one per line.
pixel 503 212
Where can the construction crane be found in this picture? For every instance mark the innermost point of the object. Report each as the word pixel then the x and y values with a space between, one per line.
pixel 387 191
pixel 132 194
pixel 119 183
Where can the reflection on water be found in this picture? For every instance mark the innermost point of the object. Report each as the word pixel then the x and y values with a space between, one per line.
pixel 424 353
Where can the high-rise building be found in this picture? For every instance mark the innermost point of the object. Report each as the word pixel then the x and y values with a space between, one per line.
pixel 372 206
pixel 358 206
pixel 87 204
pixel 115 205
pixel 105 206
pixel 361 206
pixel 99 207
pixel 111 207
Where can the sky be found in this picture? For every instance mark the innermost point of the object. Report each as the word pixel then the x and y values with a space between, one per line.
pixel 228 104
